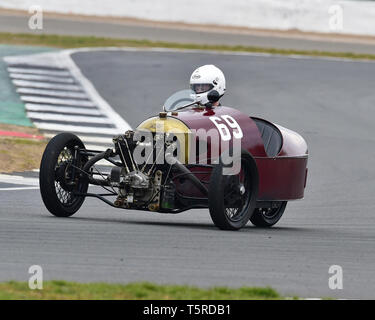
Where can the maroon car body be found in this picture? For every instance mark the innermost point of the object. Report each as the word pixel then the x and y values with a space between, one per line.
pixel 273 166
pixel 281 154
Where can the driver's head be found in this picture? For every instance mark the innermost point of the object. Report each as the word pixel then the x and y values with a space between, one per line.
pixel 207 78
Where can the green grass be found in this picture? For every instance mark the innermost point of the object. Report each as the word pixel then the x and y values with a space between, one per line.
pixel 60 41
pixel 133 291
pixel 21 141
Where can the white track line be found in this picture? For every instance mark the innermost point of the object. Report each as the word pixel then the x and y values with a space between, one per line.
pixel 62 60
pixel 99 148
pixel 120 123
pixel 5 178
pixel 57 73
pixel 88 139
pixel 104 163
pixel 79 129
pixel 40 78
pixel 57 109
pixel 53 93
pixel 225 53
pixel 19 188
pixel 67 118
pixel 46 85
pixel 65 102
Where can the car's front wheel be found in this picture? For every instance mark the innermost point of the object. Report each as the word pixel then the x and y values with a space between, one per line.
pixel 60 175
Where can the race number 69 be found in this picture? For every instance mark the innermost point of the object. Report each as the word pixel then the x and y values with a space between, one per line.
pixel 223 129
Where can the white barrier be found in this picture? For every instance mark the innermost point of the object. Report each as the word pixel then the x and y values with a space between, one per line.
pixel 349 17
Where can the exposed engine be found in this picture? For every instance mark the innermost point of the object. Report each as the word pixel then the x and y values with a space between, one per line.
pixel 139 186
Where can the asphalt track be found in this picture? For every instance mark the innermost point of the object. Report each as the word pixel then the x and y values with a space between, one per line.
pixel 331 103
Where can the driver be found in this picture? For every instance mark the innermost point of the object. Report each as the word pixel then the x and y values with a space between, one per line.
pixel 207 78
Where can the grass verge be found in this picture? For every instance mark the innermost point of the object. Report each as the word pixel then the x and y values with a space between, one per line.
pixel 61 41
pixel 133 291
pixel 18 154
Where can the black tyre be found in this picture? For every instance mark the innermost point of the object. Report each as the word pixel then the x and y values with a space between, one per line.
pixel 232 198
pixel 57 187
pixel 267 217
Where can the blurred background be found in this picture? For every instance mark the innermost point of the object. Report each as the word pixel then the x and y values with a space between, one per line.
pixel 292 24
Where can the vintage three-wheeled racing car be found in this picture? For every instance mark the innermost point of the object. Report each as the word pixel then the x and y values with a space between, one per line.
pixel 165 166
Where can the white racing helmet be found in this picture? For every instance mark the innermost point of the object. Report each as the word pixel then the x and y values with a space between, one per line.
pixel 207 78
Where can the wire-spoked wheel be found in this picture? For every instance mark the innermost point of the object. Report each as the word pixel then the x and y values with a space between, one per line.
pixel 60 178
pixel 232 198
pixel 267 217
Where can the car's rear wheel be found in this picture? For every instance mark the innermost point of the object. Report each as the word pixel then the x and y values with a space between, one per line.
pixel 60 178
pixel 232 198
pixel 267 217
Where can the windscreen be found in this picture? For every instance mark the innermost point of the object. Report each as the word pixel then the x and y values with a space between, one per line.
pixel 179 99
